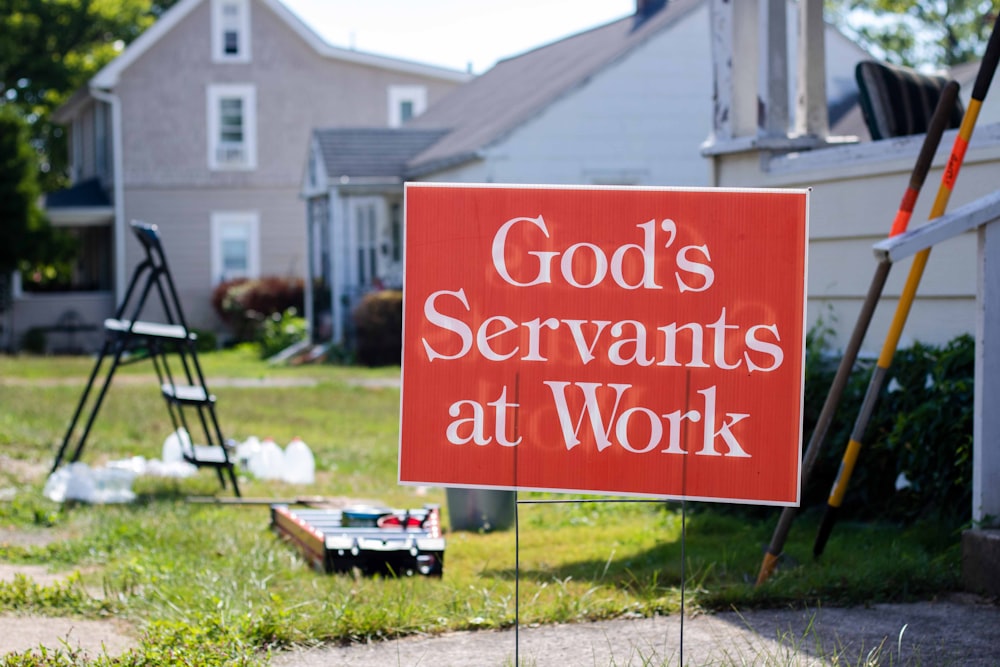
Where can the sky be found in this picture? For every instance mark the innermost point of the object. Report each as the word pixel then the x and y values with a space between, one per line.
pixel 457 34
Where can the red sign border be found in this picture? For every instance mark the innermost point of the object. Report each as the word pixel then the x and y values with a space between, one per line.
pixel 806 192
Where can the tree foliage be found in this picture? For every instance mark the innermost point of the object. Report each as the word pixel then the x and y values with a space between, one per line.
pixel 50 48
pixel 936 33
pixel 25 237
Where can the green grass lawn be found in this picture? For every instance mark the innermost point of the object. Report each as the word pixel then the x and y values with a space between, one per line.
pixel 214 582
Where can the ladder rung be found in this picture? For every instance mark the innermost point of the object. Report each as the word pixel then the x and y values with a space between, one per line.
pixel 149 329
pixel 182 393
pixel 207 455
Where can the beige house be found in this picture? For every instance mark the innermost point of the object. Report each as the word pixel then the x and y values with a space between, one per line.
pixel 199 127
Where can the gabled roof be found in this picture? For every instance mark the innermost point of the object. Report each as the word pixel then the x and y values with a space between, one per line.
pixel 371 153
pixel 487 108
pixel 109 75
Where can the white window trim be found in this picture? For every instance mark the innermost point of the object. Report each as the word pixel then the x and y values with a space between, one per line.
pixel 247 219
pixel 248 93
pixel 219 54
pixel 399 94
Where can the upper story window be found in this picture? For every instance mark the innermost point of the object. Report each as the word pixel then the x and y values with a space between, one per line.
pixel 232 126
pixel 405 102
pixel 231 31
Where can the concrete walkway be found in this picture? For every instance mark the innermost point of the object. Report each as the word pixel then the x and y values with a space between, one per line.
pixel 962 630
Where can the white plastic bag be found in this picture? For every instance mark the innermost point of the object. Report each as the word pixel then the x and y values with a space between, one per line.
pixel 78 481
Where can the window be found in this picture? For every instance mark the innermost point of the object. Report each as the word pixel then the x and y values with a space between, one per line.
pixel 405 102
pixel 405 110
pixel 235 246
pixel 366 237
pixel 101 163
pixel 396 231
pixel 232 127
pixel 231 31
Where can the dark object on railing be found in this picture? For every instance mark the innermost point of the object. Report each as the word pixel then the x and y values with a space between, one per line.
pixel 898 101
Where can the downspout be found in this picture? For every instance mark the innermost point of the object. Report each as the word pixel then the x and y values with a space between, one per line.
pixel 307 292
pixel 119 186
pixel 337 262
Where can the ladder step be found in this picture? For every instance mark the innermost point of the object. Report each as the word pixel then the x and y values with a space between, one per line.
pixel 190 394
pixel 207 455
pixel 149 329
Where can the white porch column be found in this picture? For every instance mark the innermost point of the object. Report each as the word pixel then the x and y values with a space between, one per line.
pixel 986 417
pixel 811 117
pixel 734 54
pixel 772 69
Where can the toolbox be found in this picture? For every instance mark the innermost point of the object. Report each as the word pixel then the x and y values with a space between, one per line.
pixel 373 540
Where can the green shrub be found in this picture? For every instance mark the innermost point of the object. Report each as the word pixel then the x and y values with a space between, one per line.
pixel 916 459
pixel 206 340
pixel 34 341
pixel 378 323
pixel 244 304
pixel 281 330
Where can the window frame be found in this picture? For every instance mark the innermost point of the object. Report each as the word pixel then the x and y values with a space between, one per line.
pixel 221 24
pixel 415 95
pixel 247 94
pixel 249 222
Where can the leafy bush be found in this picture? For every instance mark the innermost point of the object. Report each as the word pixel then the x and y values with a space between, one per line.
pixel 244 304
pixel 34 341
pixel 206 340
pixel 378 321
pixel 281 330
pixel 916 459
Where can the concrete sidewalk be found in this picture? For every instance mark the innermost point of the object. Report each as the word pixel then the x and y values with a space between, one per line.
pixel 962 630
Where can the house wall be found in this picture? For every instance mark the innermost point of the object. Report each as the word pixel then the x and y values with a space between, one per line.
pixel 641 121
pixel 856 191
pixel 45 310
pixel 165 140
pixel 183 216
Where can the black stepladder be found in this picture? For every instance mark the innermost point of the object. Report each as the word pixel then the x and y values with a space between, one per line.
pixel 183 389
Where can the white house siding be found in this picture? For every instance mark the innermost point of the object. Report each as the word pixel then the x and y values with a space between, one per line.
pixel 44 310
pixel 856 191
pixel 165 140
pixel 639 121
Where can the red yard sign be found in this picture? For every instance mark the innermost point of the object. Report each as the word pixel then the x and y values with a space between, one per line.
pixel 631 341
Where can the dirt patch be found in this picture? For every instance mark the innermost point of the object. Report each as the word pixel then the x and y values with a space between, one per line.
pixel 25 472
pixel 22 633
pixel 28 538
pixel 150 380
